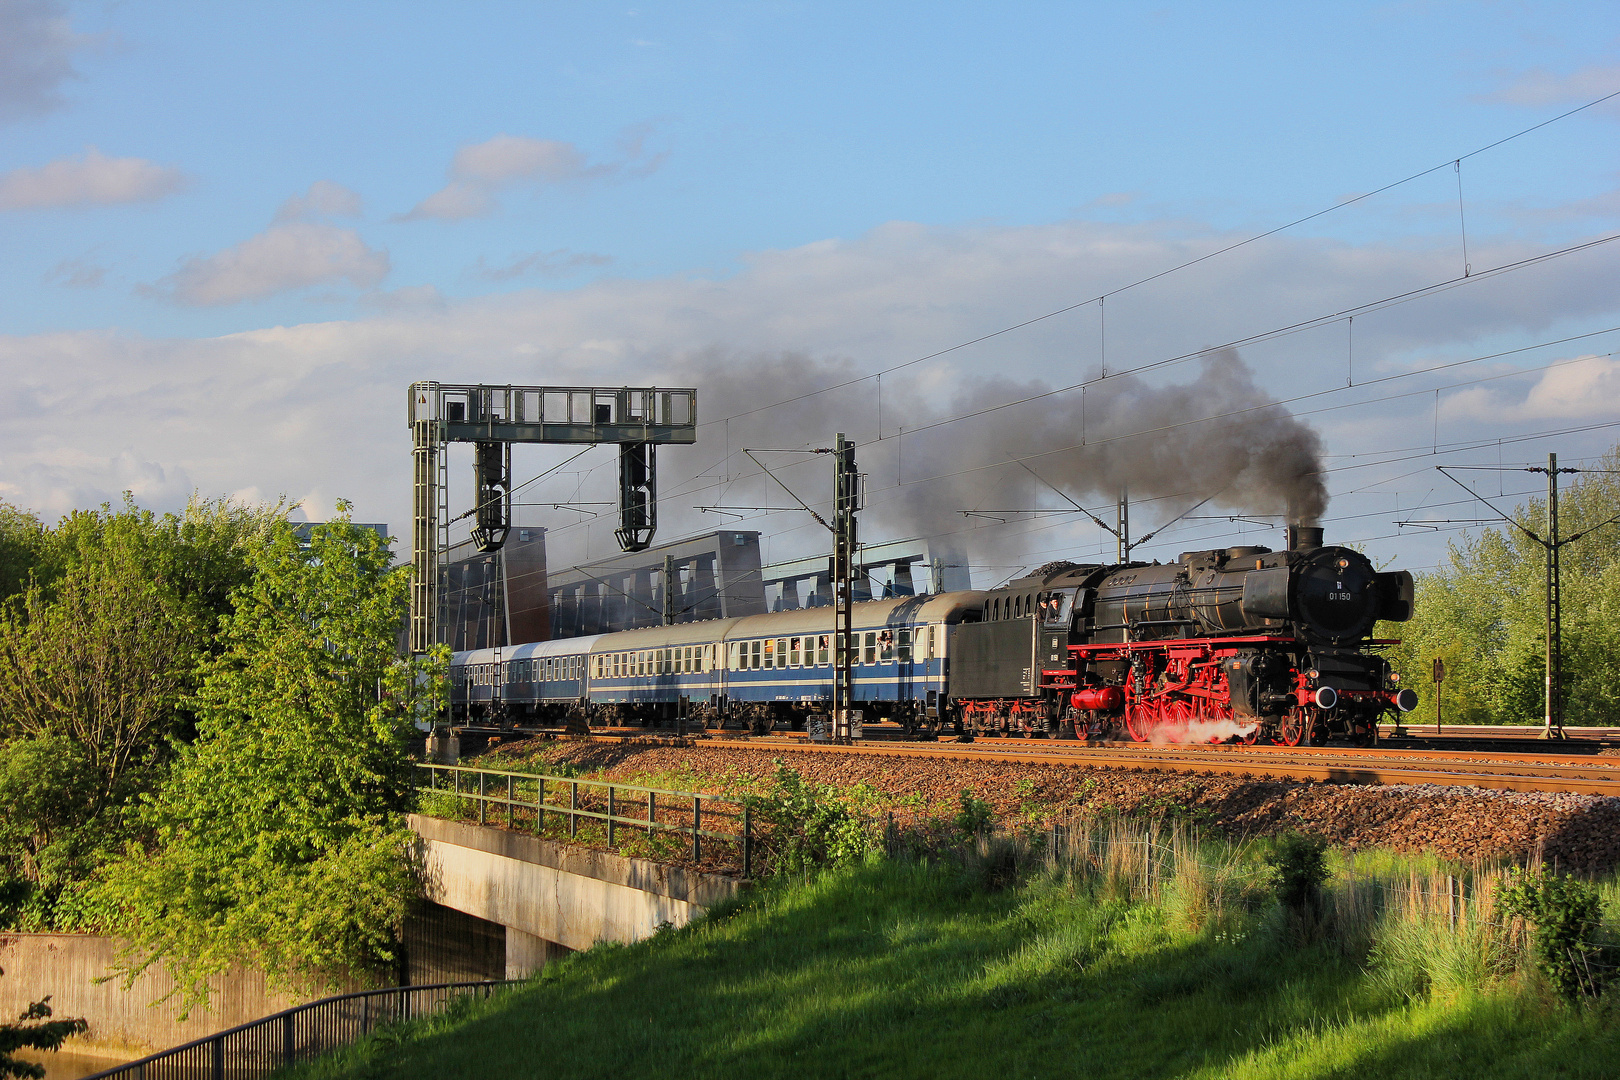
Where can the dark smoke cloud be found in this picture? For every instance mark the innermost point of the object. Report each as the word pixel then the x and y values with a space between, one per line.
pixel 1219 435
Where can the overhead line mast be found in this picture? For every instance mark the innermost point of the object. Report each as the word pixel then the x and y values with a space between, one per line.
pixel 847 500
pixel 1553 544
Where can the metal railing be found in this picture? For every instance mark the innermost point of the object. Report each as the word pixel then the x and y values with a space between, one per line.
pixel 260 1047
pixel 532 798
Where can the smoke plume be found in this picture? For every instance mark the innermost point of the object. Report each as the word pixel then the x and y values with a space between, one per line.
pixel 1219 436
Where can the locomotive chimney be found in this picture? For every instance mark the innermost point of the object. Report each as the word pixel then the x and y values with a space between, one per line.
pixel 1304 537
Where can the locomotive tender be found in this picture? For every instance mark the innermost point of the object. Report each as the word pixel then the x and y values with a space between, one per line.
pixel 1233 644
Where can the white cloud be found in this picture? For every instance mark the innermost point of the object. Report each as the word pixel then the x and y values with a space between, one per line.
pixel 481 170
pixel 558 262
pixel 323 199
pixel 513 157
pixel 77 274
pixel 1585 388
pixel 92 179
pixel 317 410
pixel 1542 87
pixel 36 49
pixel 283 257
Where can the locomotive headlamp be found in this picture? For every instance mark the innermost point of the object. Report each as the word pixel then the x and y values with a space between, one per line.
pixel 1313 674
pixel 1344 564
pixel 1394 676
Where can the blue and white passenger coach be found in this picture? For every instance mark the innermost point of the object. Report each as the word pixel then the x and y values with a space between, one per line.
pixel 759 670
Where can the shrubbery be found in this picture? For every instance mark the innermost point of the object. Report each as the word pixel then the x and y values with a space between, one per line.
pixel 1564 915
pixel 809 825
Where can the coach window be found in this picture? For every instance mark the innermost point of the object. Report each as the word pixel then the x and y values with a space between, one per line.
pixel 795 651
pixel 886 645
pixel 904 643
pixel 871 647
pixel 781 652
pixel 770 653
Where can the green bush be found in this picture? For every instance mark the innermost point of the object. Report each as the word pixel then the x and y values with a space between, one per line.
pixel 1564 913
pixel 809 826
pixel 1297 866
pixel 975 815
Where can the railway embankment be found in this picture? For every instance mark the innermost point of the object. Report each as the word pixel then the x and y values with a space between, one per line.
pixel 1464 824
pixel 1127 949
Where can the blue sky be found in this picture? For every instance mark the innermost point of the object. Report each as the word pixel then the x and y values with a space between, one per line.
pixel 233 233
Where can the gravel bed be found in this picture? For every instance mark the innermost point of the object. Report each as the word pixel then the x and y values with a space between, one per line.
pixel 1574 832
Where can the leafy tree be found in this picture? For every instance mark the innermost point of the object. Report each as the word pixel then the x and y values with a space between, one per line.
pixel 279 838
pixel 34 1031
pixel 1484 613
pixel 99 650
pixel 21 540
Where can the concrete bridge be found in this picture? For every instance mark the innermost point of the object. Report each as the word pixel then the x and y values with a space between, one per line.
pixel 538 900
pixel 501 905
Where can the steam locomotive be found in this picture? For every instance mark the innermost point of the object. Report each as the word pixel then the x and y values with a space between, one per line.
pixel 1233 644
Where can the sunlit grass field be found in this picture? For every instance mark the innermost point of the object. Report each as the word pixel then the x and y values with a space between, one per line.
pixel 1010 962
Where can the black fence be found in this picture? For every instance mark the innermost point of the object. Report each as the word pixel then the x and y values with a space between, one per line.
pixel 262 1046
pixel 566 804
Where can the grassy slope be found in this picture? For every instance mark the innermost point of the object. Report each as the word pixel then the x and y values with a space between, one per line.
pixel 897 969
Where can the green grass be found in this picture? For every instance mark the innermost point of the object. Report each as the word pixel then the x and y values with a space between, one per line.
pixel 915 968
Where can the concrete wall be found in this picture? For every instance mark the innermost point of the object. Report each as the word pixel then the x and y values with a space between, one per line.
pixel 549 897
pixel 553 893
pixel 66 966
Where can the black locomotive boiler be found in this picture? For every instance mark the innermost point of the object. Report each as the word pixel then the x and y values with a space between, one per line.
pixel 1232 644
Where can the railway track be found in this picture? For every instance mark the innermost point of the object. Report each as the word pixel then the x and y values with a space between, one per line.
pixel 1516 761
pixel 1538 772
